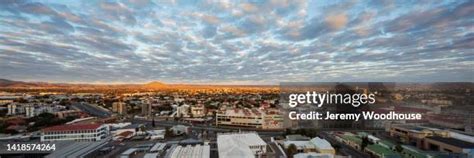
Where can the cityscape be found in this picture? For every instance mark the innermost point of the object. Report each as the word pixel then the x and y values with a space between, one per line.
pixel 166 120
pixel 236 79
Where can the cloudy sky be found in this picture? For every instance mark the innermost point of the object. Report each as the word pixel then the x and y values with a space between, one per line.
pixel 251 42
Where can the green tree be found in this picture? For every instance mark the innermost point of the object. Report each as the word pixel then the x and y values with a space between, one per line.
pixel 364 143
pixel 291 150
pixel 168 133
pixel 398 148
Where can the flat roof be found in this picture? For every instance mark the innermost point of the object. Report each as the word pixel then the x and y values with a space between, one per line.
pixel 237 144
pixel 417 153
pixel 72 127
pixel 453 142
pixel 388 143
pixel 253 112
pixel 249 139
pixel 295 137
pixel 151 155
pixel 321 143
pixel 158 147
pixel 76 149
pixel 197 151
pixel 380 150
pixel 129 151
pixel 297 143
pixel 351 138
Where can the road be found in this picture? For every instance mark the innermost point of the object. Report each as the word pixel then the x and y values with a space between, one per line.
pixel 278 152
pixel 92 110
pixel 206 127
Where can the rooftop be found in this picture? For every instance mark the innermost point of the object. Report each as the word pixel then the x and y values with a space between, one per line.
pixel 453 142
pixel 295 137
pixel 321 143
pixel 244 138
pixel 72 127
pixel 237 144
pixel 70 149
pixel 387 143
pixel 312 155
pixel 249 112
pixel 380 150
pixel 351 138
pixel 197 151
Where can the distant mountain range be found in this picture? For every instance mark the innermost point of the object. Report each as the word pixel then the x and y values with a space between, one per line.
pixel 5 83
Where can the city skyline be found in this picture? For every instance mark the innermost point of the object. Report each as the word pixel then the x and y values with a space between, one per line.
pixel 251 42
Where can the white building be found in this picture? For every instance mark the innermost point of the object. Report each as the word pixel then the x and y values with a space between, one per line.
pixel 30 111
pixel 180 129
pixel 197 151
pixel 182 111
pixel 6 101
pixel 253 118
pixel 11 109
pixel 234 145
pixel 323 146
pixel 156 134
pixel 119 107
pixel 78 132
pixel 312 155
pixel 198 110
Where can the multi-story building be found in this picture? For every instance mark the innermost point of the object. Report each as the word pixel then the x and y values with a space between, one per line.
pixel 119 107
pixel 66 113
pixel 11 109
pixel 198 110
pixel 77 132
pixel 182 111
pixel 6 101
pixel 447 144
pixel 414 134
pixel 434 139
pixel 32 110
pixel 241 145
pixel 6 98
pixel 29 111
pixel 252 118
pixel 146 109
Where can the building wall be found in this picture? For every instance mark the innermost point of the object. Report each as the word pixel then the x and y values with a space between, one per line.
pixel 252 121
pixel 327 151
pixel 441 146
pixel 79 135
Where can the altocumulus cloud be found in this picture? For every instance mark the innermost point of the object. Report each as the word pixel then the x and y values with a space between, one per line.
pixel 252 42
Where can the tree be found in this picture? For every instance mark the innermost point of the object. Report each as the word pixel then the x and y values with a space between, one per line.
pixel 291 150
pixel 398 148
pixel 364 143
pixel 168 133
pixel 153 122
pixel 336 147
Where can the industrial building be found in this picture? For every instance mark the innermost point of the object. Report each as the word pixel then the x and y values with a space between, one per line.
pixel 189 151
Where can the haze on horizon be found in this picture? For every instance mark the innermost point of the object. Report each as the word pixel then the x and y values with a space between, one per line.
pixel 223 42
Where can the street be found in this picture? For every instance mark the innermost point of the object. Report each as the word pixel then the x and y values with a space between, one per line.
pixel 92 110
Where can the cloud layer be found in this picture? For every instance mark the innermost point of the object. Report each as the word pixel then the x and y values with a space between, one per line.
pixel 226 42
